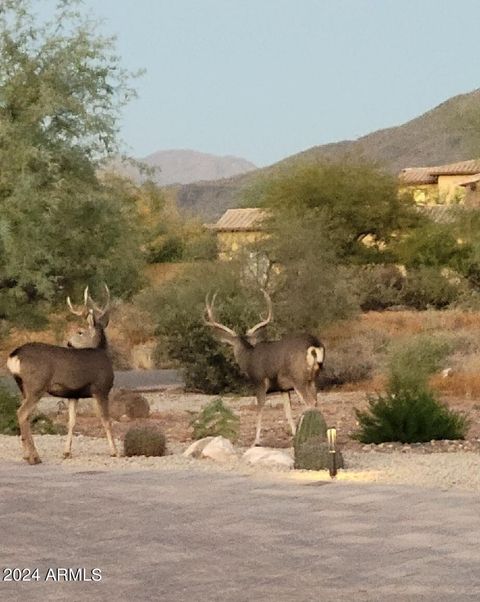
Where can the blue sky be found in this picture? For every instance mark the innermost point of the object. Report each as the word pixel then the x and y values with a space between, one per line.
pixel 263 79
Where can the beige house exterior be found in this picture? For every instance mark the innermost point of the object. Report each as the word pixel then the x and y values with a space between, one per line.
pixel 449 184
pixel 238 228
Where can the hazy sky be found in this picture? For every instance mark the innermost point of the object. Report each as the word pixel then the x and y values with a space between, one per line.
pixel 263 79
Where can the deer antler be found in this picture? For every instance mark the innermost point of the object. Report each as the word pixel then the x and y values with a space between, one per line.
pixel 80 312
pixel 210 320
pixel 100 312
pixel 267 320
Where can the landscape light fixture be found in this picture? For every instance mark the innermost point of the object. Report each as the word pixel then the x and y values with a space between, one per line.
pixel 332 440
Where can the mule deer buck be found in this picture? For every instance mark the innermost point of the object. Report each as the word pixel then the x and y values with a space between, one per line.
pixel 82 369
pixel 291 363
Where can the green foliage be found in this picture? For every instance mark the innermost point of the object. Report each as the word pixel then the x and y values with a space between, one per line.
pixel 214 420
pixel 427 287
pixel 44 425
pixel 409 417
pixel 9 403
pixel 312 286
pixel 412 361
pixel 61 91
pixel 356 200
pixel 409 411
pixel 144 441
pixel 311 424
pixel 178 308
pixel 380 286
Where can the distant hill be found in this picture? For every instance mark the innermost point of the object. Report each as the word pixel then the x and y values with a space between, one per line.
pixel 185 166
pixel 442 135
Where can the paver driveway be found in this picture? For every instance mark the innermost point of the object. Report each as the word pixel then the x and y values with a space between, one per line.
pixel 196 536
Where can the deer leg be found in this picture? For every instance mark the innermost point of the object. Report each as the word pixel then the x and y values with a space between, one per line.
pixel 261 397
pixel 72 417
pixel 102 410
pixel 287 404
pixel 24 412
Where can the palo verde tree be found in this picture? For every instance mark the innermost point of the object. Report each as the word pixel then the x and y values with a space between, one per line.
pixel 61 92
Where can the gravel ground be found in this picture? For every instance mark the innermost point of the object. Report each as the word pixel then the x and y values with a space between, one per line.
pixel 460 470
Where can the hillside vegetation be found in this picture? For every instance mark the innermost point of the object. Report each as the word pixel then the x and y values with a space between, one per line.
pixel 447 133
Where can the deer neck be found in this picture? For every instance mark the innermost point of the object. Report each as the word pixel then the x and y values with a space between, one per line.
pixel 242 351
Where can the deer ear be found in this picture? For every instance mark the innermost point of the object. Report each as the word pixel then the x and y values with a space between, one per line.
pixel 224 337
pixel 91 319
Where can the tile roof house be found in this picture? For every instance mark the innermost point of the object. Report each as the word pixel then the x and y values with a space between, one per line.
pixel 450 183
pixel 238 228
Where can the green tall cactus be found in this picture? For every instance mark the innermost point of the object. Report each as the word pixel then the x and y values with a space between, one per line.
pixel 310 443
pixel 311 424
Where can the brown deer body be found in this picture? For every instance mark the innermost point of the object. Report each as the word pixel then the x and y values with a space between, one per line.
pixel 291 363
pixel 83 369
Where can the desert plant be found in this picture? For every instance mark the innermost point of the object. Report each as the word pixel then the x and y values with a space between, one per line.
pixel 144 441
pixel 216 419
pixel 311 424
pixel 311 450
pixel 314 454
pixel 44 425
pixel 380 286
pixel 9 403
pixel 409 417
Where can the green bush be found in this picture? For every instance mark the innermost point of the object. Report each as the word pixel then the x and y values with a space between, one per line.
pixel 9 403
pixel 408 417
pixel 427 287
pixel 412 361
pixel 44 425
pixel 216 419
pixel 177 309
pixel 144 441
pixel 409 411
pixel 380 286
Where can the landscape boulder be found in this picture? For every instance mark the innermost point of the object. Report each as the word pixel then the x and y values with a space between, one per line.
pixel 268 457
pixel 218 448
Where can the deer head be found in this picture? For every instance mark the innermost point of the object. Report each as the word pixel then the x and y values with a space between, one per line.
pixel 97 320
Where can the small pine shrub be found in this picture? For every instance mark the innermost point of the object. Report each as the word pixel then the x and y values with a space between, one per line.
pixel 408 416
pixel 9 403
pixel 144 441
pixel 216 419
pixel 314 454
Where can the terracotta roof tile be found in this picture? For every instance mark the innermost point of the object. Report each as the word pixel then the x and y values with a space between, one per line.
pixel 240 220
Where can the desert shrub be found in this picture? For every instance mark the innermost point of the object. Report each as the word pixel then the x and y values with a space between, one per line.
pixel 412 361
pixel 409 411
pixel 216 419
pixel 9 403
pixel 350 362
pixel 380 286
pixel 178 308
pixel 409 417
pixel 427 287
pixel 44 425
pixel 129 403
pixel 144 441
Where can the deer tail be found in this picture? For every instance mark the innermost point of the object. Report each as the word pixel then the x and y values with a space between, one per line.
pixel 315 356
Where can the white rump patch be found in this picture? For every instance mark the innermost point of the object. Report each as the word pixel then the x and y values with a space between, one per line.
pixel 13 364
pixel 315 355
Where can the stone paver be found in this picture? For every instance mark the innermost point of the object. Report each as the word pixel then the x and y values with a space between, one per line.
pixel 185 535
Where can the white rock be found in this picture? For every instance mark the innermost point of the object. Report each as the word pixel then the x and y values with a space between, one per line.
pixel 195 450
pixel 267 456
pixel 219 449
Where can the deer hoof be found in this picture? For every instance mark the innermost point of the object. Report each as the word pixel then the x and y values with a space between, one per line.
pixel 34 460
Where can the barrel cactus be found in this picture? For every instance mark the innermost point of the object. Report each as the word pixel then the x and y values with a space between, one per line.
pixel 144 441
pixel 311 424
pixel 310 443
